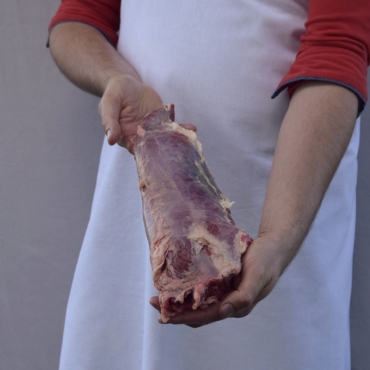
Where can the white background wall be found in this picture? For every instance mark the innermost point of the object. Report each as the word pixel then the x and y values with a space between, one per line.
pixel 50 140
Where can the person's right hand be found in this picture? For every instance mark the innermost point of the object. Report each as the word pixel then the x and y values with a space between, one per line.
pixel 125 102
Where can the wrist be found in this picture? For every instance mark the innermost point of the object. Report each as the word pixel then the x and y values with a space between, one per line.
pixel 283 245
pixel 115 78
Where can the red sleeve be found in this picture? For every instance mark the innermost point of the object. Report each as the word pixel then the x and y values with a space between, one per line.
pixel 335 47
pixel 104 15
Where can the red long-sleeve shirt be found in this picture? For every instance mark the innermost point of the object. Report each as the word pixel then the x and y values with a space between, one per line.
pixel 335 47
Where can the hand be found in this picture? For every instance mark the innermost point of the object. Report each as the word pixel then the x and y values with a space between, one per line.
pixel 262 265
pixel 125 102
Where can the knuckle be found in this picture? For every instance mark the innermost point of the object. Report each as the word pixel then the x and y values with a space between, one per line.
pixel 105 124
pixel 246 300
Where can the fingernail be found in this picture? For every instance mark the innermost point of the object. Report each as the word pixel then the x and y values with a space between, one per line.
pixel 108 134
pixel 227 310
pixel 160 320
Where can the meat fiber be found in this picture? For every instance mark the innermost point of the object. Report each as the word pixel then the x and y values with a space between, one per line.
pixel 195 247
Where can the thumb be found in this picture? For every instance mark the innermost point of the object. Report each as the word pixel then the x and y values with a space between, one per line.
pixel 109 109
pixel 242 300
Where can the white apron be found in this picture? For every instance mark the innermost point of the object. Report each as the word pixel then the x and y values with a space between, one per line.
pixel 218 62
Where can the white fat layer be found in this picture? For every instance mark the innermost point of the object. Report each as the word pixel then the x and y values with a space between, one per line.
pixel 167 107
pixel 140 131
pixel 158 249
pixel 191 135
pixel 225 202
pixel 205 176
pixel 220 251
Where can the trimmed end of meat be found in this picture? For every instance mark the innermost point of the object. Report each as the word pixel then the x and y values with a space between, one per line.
pixel 170 108
pixel 199 297
pixel 203 293
pixel 242 241
pixel 159 116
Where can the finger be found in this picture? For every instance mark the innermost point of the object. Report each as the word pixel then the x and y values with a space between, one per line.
pixel 197 317
pixel 262 295
pixel 243 298
pixel 189 126
pixel 154 302
pixel 245 312
pixel 127 142
pixel 109 110
pixel 128 133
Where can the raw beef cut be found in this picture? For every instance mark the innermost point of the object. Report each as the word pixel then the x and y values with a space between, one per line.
pixel 195 247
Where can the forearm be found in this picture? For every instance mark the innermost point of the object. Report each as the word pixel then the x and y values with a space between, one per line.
pixel 85 57
pixel 313 138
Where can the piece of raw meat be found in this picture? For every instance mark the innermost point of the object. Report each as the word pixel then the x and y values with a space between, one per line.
pixel 195 247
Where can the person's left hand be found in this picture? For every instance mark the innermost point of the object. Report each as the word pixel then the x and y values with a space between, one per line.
pixel 262 263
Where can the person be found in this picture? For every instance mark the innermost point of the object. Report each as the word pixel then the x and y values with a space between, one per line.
pixel 288 163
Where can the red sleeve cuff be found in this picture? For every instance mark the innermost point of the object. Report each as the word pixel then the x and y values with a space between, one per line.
pixel 335 47
pixel 294 83
pixel 100 14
